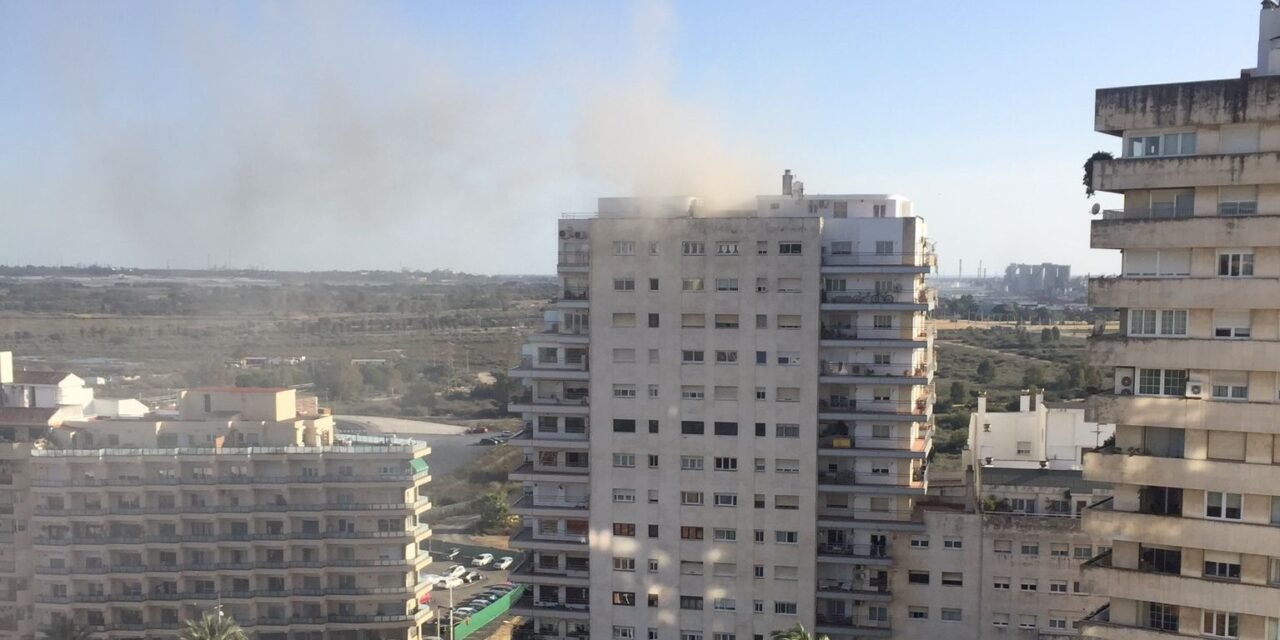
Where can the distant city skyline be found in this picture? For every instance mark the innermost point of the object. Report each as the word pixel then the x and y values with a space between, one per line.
pixel 439 135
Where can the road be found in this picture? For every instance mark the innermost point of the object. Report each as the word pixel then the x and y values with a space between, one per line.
pixel 450 447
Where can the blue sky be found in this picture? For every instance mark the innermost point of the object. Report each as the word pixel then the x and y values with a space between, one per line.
pixel 451 135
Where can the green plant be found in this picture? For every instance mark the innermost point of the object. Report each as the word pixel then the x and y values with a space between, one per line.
pixel 213 625
pixel 1088 170
pixel 797 632
pixel 493 512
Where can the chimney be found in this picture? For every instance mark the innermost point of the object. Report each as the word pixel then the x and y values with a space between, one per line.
pixel 1268 40
pixel 6 367
pixel 786 182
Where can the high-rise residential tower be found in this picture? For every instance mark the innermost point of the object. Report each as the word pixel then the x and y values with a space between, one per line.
pixel 1195 548
pixel 727 418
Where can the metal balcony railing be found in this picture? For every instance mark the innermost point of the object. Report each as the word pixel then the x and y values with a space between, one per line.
pixel 236 479
pixel 210 451
pixel 854 550
pixel 838 404
pixel 529 362
pixel 574 259
pixel 830 368
pixel 255 508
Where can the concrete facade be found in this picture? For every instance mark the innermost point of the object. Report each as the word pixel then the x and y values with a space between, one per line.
pixel 727 418
pixel 1194 548
pixel 1052 435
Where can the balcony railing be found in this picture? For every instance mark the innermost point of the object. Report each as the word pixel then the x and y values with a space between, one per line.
pixel 920 258
pixel 541 502
pixel 853 478
pixel 846 442
pixel 838 404
pixel 555 399
pixel 236 479
pixel 255 508
pixel 296 535
pixel 574 259
pixel 573 294
pixel 856 622
pixel 211 451
pixel 561 329
pixel 830 368
pixel 854 550
pixel 224 566
pixel 529 362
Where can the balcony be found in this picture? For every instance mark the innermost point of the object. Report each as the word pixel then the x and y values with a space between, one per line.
pixel 530 369
pixel 1103 522
pixel 420 531
pixel 873 483
pixel 844 408
pixel 1147 232
pixel 525 539
pixel 546 507
pixel 1186 293
pixel 528 473
pixel 574 404
pixel 884 519
pixel 1114 466
pixel 1150 586
pixel 573 261
pixel 831 372
pixel 854 554
pixel 1187 104
pixel 1175 353
pixel 558 439
pixel 1188 413
pixel 837 335
pixel 844 625
pixel 573 609
pixel 559 332
pixel 572 298
pixel 868 447
pixel 879 300
pixel 365 564
pixel 1184 172
pixel 40 510
pixel 922 261
pixel 576 575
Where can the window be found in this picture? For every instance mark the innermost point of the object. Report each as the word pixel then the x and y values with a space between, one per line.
pixel 787 431
pixel 788 285
pixel 881 358
pixel 1002 546
pixel 757 536
pixel 724 604
pixel 881 431
pixel 1027 585
pixel 1058 623
pixel 692 427
pixel 784 608
pixel 789 248
pixel 879 211
pixel 1162 382
pixel 1082 552
pixel 1222 568
pixel 841 209
pixel 1238 201
pixel 1026 622
pixel 1222 506
pixel 1169 144
pixel 841 248
pixel 624 633
pixel 1232 324
pixel 653 321
pixel 727 394
pixel 693 320
pixel 692 603
pixel 1000 620
pixel 762 285
pixel 624 248
pixel 1000 584
pixel 952 543
pixel 691 533
pixel 1221 624
pixel 691 463
pixel 627 460
pixel 1031 548
pixel 624 284
pixel 726 357
pixel 726 248
pixel 884 247
pixel 653 565
pixel 653 284
pixel 762 247
pixel 653 496
pixel 882 321
pixel 624 598
pixel 1163 617
pixel 726 284
pixel 787 465
pixel 624 391
pixel 918 577
pixel 653 531
pixel 788 359
pixel 952 579
pixel 624 356
pixel 1229 385
pixel 919 542
pixel 654 248
pixel 726 464
pixel 691 248
pixel 725 500
pixel 691 284
pixel 918 613
pixel 788 321
pixel 691 635
pixel 1024 447
pixel 691 498
pixel 625 529
pixel 786 502
pixel 786 537
pixel 761 432
pixel 653 461
pixel 624 564
pixel 688 356
pixel 653 356
pixel 952 615
pixel 653 393
pixel 788 394
pixel 761 394
pixel 693 392
pixel 725 535
pixel 1235 264
pixel 624 426
pixel 1161 322
pixel 1059 550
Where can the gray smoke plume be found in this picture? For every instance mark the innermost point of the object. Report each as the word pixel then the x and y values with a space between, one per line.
pixel 327 135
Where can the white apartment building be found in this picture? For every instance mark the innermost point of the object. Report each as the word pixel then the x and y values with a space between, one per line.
pixel 1196 546
pixel 728 415
pixel 1052 435
pixel 129 527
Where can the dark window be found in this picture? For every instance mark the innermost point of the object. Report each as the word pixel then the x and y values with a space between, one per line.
pixel 762 430
pixel 624 598
pixel 691 427
pixel 208 403
pixel 1161 501
pixel 762 357
pixel 691 602
pixel 1162 616
pixel 653 321
pixel 690 533
pixel 1160 560
pixel 918 577
pixel 653 531
pixel 653 284
pixel 624 529
pixel 653 426
pixel 726 428
pixel 653 599
pixel 624 426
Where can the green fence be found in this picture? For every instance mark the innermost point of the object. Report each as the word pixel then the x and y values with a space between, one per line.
pixel 486 615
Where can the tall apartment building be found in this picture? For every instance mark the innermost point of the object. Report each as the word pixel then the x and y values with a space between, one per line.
pixel 132 526
pixel 728 416
pixel 1196 549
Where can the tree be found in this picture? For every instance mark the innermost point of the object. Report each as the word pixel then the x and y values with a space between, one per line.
pixel 1046 335
pixel 797 632
pixel 65 628
pixel 986 371
pixel 493 512
pixel 1057 334
pixel 1032 376
pixel 958 393
pixel 213 625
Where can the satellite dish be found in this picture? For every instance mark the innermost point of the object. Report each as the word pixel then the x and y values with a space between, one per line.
pixel 1095 209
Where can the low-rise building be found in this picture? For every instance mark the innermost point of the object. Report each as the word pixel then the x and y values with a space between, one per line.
pixel 1039 434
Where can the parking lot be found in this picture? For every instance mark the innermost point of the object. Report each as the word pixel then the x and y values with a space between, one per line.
pixel 489 576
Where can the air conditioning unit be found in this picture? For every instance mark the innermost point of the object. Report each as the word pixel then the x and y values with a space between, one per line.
pixel 1197 388
pixel 1124 381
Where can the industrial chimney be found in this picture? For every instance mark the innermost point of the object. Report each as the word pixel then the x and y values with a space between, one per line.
pixel 786 182
pixel 1268 40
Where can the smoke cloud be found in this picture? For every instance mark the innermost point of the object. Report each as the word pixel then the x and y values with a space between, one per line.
pixel 322 135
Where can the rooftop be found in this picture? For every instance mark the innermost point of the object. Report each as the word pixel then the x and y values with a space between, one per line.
pixel 39 377
pixel 26 416
pixel 1056 478
pixel 238 389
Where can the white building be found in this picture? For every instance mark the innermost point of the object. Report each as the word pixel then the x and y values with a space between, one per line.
pixel 708 386
pixel 1039 434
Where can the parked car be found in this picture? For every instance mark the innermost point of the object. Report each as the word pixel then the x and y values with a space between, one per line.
pixel 478 429
pixel 482 560
pixel 488 442
pixel 450 554
pixel 506 434
pixel 448 582
pixel 504 562
pixel 455 571
pixel 463 612
pixel 473 576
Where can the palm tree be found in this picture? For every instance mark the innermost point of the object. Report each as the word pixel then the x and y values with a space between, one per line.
pixel 214 625
pixel 797 632
pixel 64 628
